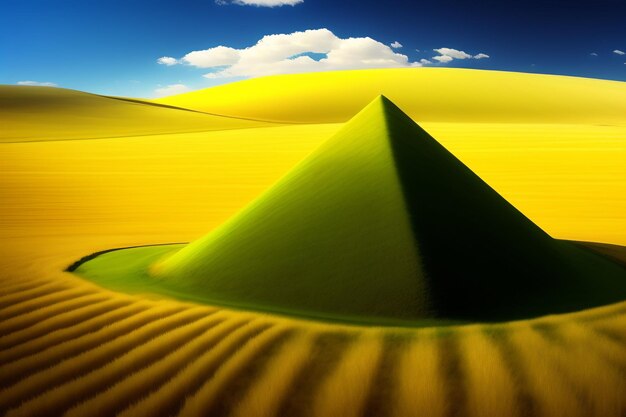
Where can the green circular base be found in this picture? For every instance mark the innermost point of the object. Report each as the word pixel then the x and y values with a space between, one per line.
pixel 127 270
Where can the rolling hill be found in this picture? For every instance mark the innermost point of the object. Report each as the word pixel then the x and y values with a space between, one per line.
pixel 46 113
pixel 425 94
pixel 381 223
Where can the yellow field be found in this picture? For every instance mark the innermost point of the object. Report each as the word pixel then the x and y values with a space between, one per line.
pixel 68 347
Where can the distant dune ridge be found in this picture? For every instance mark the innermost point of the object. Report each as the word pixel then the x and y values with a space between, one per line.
pixel 383 222
pixel 425 94
pixel 32 114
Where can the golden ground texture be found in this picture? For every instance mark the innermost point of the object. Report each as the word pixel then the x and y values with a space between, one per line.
pixel 68 347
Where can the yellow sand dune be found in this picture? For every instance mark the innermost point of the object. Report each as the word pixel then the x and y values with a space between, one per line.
pixel 44 113
pixel 426 94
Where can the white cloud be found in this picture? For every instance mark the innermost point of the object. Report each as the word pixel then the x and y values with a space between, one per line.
pixel 618 52
pixel 261 3
pixel 290 53
pixel 37 83
pixel 171 89
pixel 452 53
pixel 593 54
pixel 443 58
pixel 167 60
pixel 448 54
pixel 215 57
pixel 425 61
pixel 396 45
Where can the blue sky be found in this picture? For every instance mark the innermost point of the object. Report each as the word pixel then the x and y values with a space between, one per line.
pixel 112 46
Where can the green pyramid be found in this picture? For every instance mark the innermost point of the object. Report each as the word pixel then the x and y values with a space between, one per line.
pixel 383 223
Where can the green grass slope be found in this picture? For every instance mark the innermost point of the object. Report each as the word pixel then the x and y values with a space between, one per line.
pixel 327 232
pixel 45 113
pixel 383 223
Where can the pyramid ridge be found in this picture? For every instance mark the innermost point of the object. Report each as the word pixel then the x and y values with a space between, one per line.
pixel 386 111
